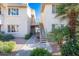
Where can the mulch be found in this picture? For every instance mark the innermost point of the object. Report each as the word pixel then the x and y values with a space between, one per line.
pixel 8 54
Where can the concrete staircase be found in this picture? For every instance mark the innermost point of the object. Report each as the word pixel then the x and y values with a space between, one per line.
pixel 42 36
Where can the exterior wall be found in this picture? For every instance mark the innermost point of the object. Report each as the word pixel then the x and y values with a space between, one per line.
pixel 2 15
pixel 49 18
pixel 22 20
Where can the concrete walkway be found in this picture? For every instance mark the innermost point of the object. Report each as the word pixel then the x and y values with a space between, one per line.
pixel 32 44
pixel 20 42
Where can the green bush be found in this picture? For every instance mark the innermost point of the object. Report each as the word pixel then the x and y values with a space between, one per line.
pixel 11 44
pixel 1 36
pixel 65 30
pixel 27 36
pixel 7 47
pixel 70 49
pixel 50 37
pixel 40 52
pixel 6 37
pixel 1 46
pixel 59 35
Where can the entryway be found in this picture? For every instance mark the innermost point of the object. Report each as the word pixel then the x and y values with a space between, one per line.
pixel 32 44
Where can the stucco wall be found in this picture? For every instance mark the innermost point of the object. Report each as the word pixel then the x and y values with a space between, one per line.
pixel 22 20
pixel 49 18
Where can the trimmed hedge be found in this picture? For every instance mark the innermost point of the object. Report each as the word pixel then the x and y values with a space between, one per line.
pixel 27 36
pixel 7 47
pixel 6 37
pixel 40 52
pixel 1 36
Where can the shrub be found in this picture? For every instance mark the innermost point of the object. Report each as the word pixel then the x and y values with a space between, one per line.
pixel 70 49
pixel 11 44
pixel 40 52
pixel 8 37
pixel 1 46
pixel 50 37
pixel 27 36
pixel 7 47
pixel 66 30
pixel 59 35
pixel 1 36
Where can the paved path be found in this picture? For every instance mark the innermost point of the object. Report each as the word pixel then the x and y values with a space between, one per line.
pixel 30 45
pixel 20 42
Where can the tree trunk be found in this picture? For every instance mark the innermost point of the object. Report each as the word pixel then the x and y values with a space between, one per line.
pixel 72 23
pixel 60 42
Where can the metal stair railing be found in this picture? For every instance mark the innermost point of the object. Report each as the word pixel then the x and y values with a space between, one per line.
pixel 42 35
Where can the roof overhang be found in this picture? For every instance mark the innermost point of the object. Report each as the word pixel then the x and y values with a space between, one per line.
pixel 19 5
pixel 44 4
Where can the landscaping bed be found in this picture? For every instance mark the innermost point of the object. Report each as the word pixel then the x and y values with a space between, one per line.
pixel 6 37
pixel 27 36
pixel 7 47
pixel 8 54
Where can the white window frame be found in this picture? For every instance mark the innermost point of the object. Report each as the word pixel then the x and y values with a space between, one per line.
pixel 53 8
pixel 53 27
pixel 0 11
pixel 12 28
pixel 13 11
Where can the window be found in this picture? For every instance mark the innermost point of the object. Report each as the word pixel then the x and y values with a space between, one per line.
pixel 53 8
pixel 13 11
pixel 12 28
pixel 0 10
pixel 53 27
pixel 0 27
pixel 62 25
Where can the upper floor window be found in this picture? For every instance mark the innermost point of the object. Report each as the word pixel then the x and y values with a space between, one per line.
pixel 53 8
pixel 13 11
pixel 62 25
pixel 0 27
pixel 0 10
pixel 53 27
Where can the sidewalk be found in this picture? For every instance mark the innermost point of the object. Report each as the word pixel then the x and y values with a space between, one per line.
pixel 30 45
pixel 20 42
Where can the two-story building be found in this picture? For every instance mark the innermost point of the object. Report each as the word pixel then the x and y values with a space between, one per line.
pixel 48 17
pixel 14 19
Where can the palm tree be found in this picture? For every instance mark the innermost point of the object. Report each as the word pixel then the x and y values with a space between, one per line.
pixel 70 11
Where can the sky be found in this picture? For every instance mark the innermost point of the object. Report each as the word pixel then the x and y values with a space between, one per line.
pixel 37 8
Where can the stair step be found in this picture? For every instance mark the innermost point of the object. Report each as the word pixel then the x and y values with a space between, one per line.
pixel 77 35
pixel 77 31
pixel 43 41
pixel 42 38
pixel 77 23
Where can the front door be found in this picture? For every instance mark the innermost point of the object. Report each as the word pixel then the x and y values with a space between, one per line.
pixel 33 30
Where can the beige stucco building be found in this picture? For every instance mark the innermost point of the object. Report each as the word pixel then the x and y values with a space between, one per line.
pixel 14 19
pixel 48 17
